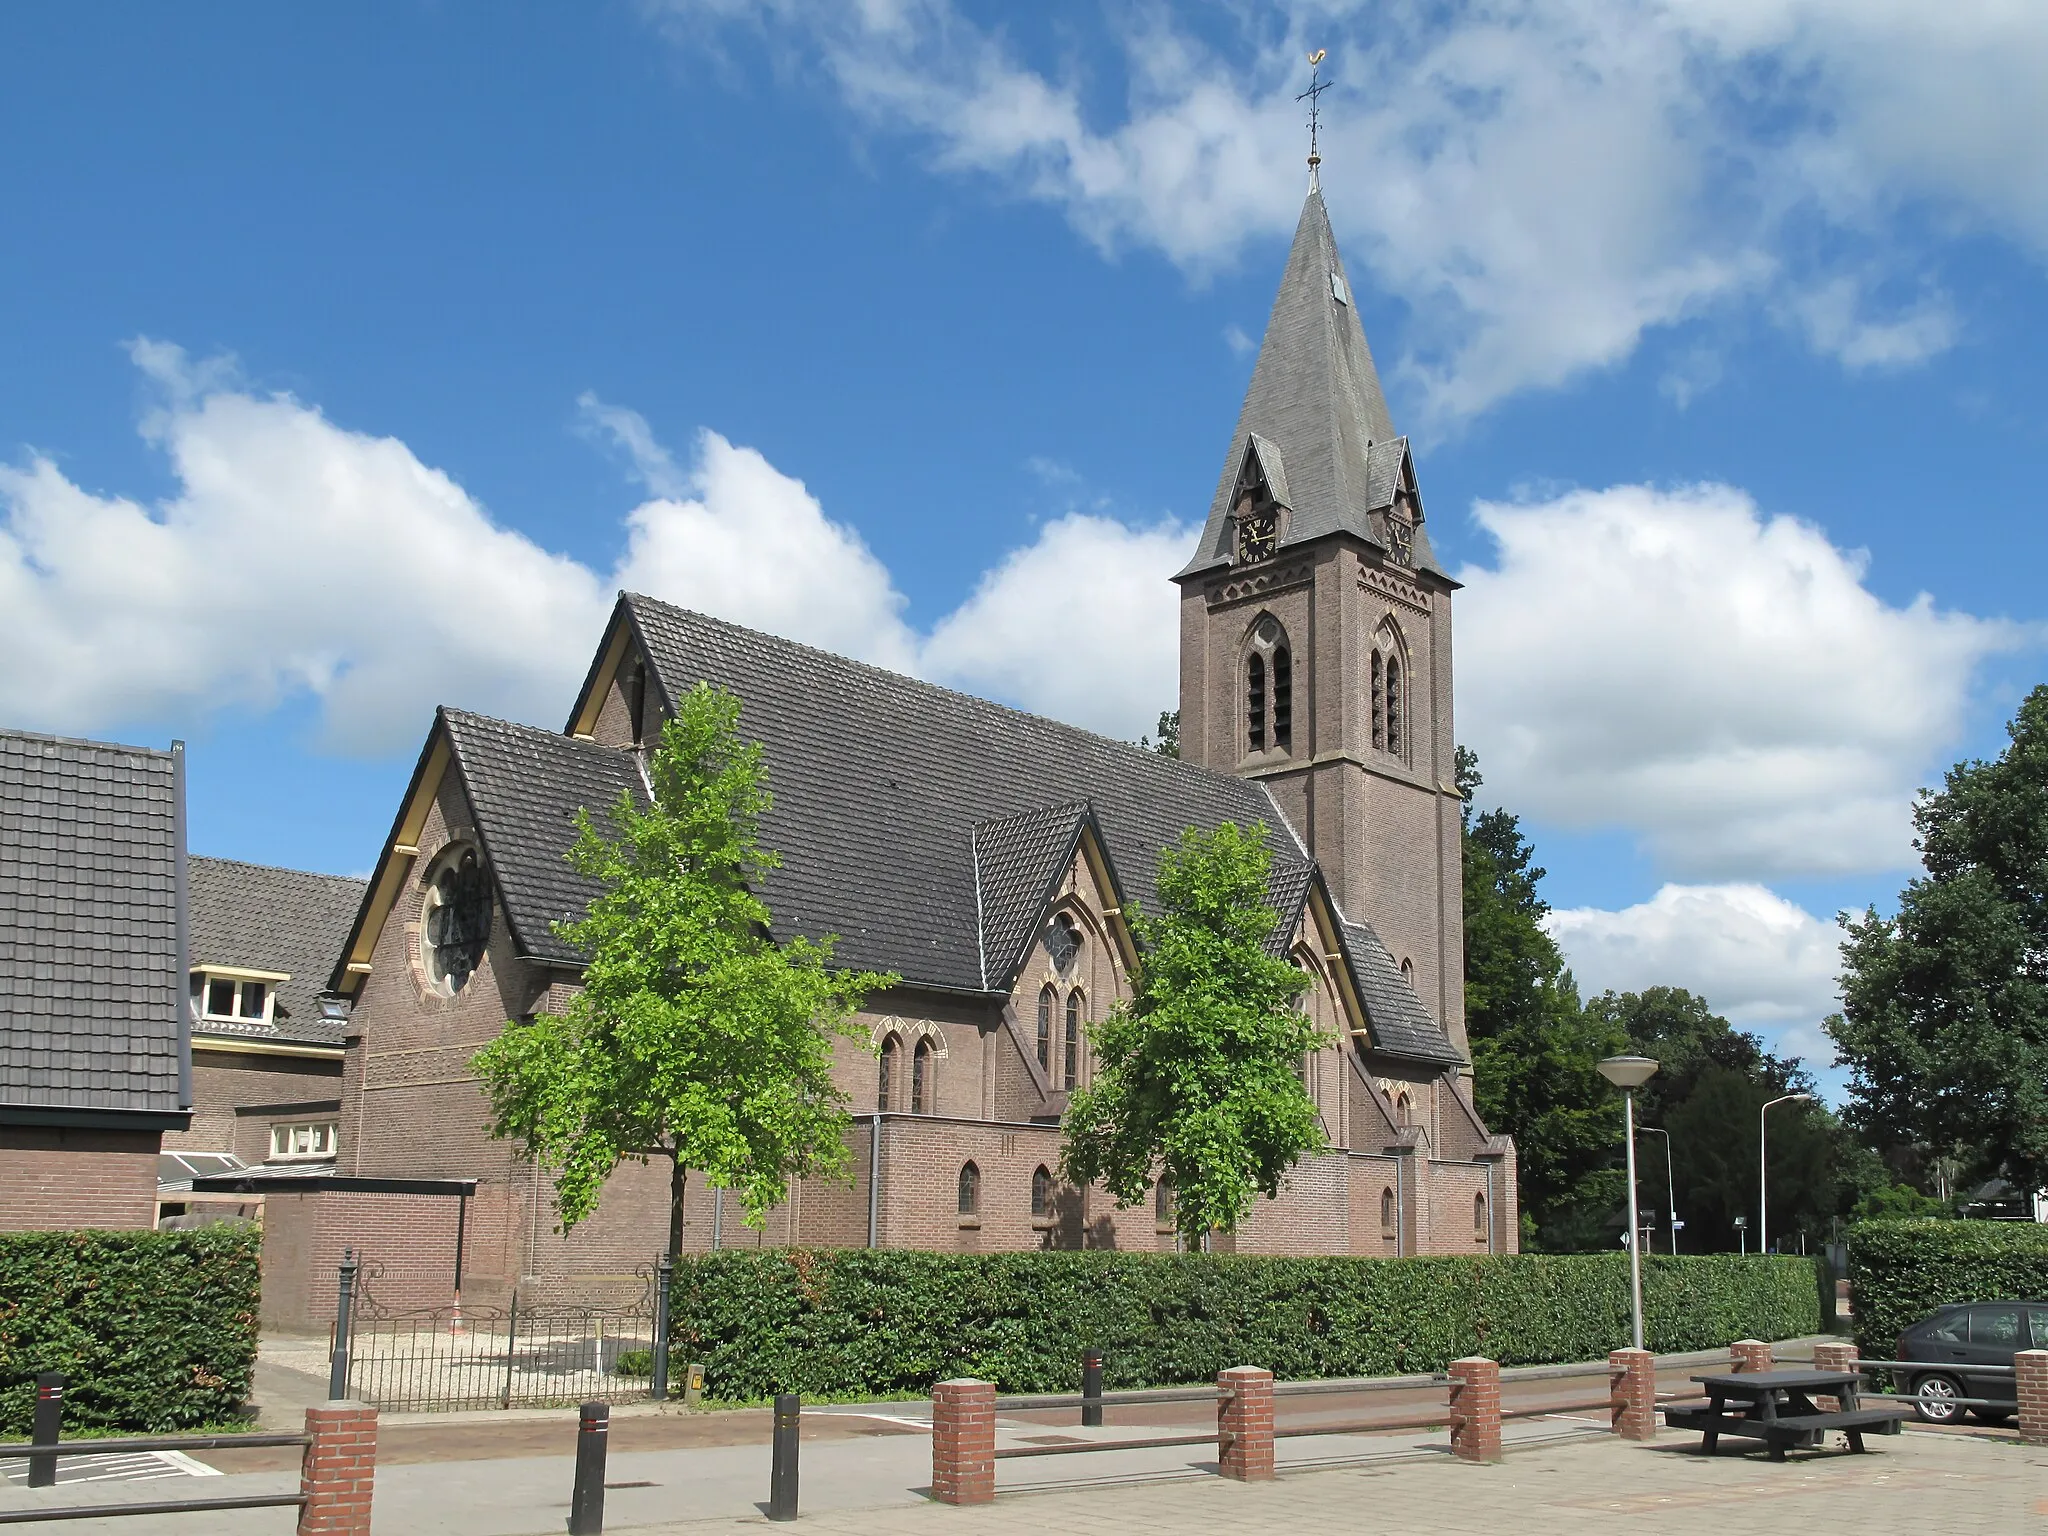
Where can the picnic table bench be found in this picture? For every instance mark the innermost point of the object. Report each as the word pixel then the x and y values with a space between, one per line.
pixel 1778 1408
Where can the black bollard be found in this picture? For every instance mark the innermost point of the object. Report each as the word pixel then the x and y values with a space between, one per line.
pixel 344 1325
pixel 657 1368
pixel 1091 1389
pixel 782 1471
pixel 586 1501
pixel 48 1426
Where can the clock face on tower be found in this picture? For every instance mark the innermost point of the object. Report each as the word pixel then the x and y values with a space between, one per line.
pixel 1256 535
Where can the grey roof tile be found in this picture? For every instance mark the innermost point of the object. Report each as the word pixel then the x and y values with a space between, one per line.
pixel 90 984
pixel 1016 860
pixel 879 781
pixel 259 917
pixel 1399 1021
pixel 526 786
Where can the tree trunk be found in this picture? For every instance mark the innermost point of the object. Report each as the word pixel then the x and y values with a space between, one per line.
pixel 676 1185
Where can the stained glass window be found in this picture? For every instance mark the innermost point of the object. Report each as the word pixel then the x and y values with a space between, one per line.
pixel 457 928
pixel 1062 941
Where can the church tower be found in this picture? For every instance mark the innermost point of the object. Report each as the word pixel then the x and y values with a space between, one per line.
pixel 1315 631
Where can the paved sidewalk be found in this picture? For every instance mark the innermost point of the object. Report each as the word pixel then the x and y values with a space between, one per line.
pixel 1578 1485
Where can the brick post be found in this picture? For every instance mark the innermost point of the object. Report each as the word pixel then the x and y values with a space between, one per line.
pixel 339 1470
pixel 1475 1409
pixel 1244 1424
pixel 2030 1375
pixel 1632 1374
pixel 964 1442
pixel 1751 1355
pixel 1832 1357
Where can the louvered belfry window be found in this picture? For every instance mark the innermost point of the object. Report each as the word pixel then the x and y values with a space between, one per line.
pixel 1394 702
pixel 1283 699
pixel 1255 702
pixel 1379 702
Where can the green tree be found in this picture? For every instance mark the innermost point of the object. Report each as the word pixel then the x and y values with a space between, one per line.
pixel 1944 1022
pixel 1168 744
pixel 696 1037
pixel 1197 1075
pixel 1535 1051
pixel 1712 1082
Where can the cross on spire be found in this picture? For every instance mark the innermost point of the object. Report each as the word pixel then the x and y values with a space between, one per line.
pixel 1316 87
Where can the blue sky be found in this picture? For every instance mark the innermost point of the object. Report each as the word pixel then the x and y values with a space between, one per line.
pixel 349 360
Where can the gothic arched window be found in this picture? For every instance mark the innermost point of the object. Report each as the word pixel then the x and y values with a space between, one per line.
pixel 1047 997
pixel 970 1190
pixel 1479 1214
pixel 1404 1111
pixel 1255 702
pixel 1387 1208
pixel 885 1080
pixel 1162 1199
pixel 921 1078
pixel 1283 699
pixel 1075 1004
pixel 1041 1192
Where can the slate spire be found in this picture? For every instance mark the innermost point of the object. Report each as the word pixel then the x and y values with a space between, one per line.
pixel 1315 419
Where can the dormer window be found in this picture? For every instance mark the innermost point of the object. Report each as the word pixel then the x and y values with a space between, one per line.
pixel 231 995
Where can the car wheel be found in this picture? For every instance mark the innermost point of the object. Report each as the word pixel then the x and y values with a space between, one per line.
pixel 1934 1399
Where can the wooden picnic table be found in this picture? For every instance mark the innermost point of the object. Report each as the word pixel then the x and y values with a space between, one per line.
pixel 1778 1408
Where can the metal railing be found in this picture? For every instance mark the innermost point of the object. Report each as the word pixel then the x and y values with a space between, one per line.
pixel 1891 1368
pixel 41 1451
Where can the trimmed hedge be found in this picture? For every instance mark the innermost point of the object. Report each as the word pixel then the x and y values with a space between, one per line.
pixel 1900 1270
pixel 892 1320
pixel 156 1330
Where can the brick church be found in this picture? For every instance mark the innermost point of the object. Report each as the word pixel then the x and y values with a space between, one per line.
pixel 986 856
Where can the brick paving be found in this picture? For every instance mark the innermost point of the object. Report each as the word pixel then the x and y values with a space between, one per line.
pixel 1930 1484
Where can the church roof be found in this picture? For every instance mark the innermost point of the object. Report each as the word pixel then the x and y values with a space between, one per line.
pixel 526 786
pixel 881 783
pixel 1315 397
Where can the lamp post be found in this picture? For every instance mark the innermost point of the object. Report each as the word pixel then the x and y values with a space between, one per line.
pixel 1628 1073
pixel 1670 1184
pixel 1763 1174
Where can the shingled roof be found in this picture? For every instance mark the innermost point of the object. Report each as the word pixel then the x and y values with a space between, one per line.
pixel 259 917
pixel 1315 406
pixel 91 965
pixel 880 781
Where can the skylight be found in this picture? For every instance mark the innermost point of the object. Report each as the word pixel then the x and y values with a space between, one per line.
pixel 1337 291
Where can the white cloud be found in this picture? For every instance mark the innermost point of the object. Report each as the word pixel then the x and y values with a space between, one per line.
pixel 1833 316
pixel 1759 960
pixel 1720 684
pixel 297 558
pixel 1081 624
pixel 735 536
pixel 1541 181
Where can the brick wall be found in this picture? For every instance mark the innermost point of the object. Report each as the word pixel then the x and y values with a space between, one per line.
pixel 54 1177
pixel 230 1089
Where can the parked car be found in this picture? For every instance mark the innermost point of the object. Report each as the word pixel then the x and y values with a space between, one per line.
pixel 1960 1341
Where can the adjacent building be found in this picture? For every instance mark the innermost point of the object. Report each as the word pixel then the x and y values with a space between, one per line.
pixel 95 1065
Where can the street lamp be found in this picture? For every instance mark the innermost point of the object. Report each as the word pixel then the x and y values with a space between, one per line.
pixel 1763 1180
pixel 1628 1073
pixel 1670 1184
